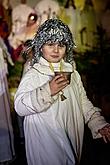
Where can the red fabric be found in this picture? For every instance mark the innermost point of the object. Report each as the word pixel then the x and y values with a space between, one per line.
pixel 3 29
pixel 16 53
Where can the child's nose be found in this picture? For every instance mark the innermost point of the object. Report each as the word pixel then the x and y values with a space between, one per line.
pixel 56 48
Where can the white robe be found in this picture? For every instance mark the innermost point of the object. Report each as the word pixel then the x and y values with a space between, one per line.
pixel 47 9
pixel 54 128
pixel 20 15
pixel 7 151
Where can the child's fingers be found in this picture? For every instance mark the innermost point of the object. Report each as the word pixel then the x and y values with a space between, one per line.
pixel 60 79
pixel 58 76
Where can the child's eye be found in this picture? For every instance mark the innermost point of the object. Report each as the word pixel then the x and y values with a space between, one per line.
pixel 50 44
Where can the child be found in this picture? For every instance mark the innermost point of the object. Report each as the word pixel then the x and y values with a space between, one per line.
pixel 55 109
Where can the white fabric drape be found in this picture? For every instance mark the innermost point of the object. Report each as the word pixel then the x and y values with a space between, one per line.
pixel 6 131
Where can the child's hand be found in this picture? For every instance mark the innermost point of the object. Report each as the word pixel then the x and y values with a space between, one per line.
pixel 105 132
pixel 58 83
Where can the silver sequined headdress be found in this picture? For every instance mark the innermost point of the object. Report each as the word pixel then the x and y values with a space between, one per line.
pixel 53 31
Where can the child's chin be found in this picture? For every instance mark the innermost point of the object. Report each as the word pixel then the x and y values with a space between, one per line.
pixel 57 60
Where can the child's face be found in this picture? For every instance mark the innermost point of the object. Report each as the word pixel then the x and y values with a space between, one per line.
pixel 53 52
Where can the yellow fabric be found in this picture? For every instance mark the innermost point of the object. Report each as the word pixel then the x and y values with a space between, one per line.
pixel 79 4
pixel 60 66
pixel 63 15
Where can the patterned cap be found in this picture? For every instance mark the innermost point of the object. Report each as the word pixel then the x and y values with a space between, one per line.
pixel 53 31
